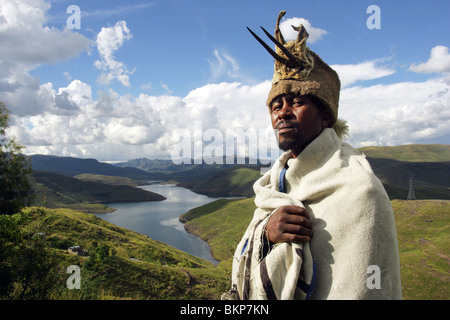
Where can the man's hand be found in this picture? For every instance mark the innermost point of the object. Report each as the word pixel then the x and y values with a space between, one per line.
pixel 289 224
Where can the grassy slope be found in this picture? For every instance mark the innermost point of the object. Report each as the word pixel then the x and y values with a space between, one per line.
pixel 161 271
pixel 222 224
pixel 61 191
pixel 236 181
pixel 412 152
pixel 423 229
pixel 112 180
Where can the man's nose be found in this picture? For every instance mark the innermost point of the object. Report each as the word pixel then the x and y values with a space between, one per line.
pixel 285 111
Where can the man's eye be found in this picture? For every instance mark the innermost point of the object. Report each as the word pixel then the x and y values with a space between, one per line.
pixel 298 102
pixel 276 106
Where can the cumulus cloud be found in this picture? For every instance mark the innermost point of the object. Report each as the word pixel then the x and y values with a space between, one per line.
pixel 439 62
pixel 122 127
pixel 395 114
pixel 108 41
pixel 26 40
pixel 367 70
pixel 315 34
pixel 26 44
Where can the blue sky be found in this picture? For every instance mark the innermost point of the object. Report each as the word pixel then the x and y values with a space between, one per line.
pixel 139 73
pixel 173 41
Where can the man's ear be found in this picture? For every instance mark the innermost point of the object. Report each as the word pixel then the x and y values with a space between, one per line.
pixel 326 119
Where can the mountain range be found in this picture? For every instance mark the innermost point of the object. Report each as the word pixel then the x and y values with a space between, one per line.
pixel 427 165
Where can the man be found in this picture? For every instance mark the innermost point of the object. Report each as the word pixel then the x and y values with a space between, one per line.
pixel 324 226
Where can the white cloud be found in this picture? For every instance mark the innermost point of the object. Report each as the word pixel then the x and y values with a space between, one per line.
pixel 122 127
pixel 115 127
pixel 395 114
pixel 119 10
pixel 223 66
pixel 26 44
pixel 146 86
pixel 315 34
pixel 108 41
pixel 165 87
pixel 367 70
pixel 26 40
pixel 439 62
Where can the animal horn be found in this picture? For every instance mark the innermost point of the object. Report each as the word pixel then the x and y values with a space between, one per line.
pixel 290 56
pixel 272 53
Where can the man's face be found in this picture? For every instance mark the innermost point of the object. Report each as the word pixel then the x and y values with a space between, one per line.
pixel 298 121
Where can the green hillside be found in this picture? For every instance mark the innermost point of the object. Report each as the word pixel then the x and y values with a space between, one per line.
pixel 222 224
pixel 123 264
pixel 55 190
pixel 233 182
pixel 431 180
pixel 423 229
pixel 112 180
pixel 410 152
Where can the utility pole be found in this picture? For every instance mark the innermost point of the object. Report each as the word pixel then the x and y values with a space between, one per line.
pixel 411 195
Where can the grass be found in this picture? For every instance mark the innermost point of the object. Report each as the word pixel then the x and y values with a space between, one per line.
pixel 423 229
pixel 233 182
pixel 112 180
pixel 136 267
pixel 222 224
pixel 412 152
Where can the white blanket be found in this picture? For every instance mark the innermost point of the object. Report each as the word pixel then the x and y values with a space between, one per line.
pixel 353 253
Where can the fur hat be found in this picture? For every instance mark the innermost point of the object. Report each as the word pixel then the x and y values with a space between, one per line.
pixel 299 70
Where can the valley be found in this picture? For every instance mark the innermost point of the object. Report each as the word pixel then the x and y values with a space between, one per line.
pixel 64 187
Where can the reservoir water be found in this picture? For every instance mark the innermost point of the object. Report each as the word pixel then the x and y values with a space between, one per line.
pixel 159 219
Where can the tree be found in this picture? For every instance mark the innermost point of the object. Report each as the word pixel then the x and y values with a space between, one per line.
pixel 27 265
pixel 29 268
pixel 15 168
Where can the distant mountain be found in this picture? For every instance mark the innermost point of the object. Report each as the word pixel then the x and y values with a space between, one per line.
pixel 155 165
pixel 183 173
pixel 74 166
pixel 428 165
pixel 410 152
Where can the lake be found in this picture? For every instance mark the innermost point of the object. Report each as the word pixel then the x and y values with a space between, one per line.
pixel 159 219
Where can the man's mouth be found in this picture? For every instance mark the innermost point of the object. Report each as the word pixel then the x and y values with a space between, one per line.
pixel 284 127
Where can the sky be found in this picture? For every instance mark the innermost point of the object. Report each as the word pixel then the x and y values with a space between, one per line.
pixel 132 79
